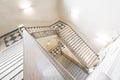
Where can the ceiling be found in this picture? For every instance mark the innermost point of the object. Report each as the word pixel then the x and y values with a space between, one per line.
pixel 98 21
pixel 12 13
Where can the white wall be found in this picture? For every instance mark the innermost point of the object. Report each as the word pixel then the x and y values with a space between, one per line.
pixel 96 20
pixel 44 12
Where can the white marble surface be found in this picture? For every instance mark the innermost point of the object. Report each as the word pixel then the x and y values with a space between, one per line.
pixel 36 65
pixel 110 65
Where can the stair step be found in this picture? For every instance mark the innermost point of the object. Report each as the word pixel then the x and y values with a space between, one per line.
pixel 8 59
pixel 87 54
pixel 5 53
pixel 10 70
pixel 84 52
pixel 11 62
pixel 78 74
pixel 69 38
pixel 82 46
pixel 10 75
pixel 67 33
pixel 70 34
pixel 73 41
pixel 3 69
pixel 77 45
pixel 64 31
pixel 19 76
pixel 91 59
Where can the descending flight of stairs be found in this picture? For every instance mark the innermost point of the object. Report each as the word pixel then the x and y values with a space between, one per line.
pixel 72 68
pixel 76 44
pixel 11 62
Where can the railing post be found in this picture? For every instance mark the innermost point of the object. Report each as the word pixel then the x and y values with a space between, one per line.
pixel 21 28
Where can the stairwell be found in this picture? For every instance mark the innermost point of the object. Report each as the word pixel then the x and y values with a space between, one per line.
pixel 71 54
pixel 83 57
pixel 79 48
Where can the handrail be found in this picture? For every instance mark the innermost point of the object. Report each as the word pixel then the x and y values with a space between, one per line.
pixel 59 68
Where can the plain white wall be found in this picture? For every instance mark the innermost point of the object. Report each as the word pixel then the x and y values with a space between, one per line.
pixel 96 20
pixel 44 12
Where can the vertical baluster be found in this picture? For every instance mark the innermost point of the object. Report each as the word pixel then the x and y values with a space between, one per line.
pixel 30 30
